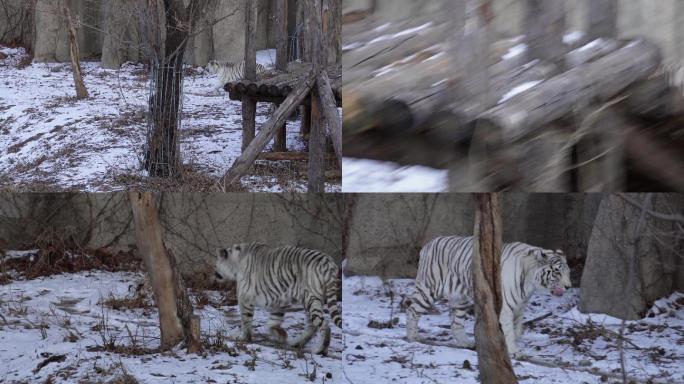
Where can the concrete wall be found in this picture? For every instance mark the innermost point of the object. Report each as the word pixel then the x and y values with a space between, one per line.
pixel 386 232
pixel 662 20
pixel 195 224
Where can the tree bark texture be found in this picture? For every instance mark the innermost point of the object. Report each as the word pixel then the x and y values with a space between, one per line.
pixel 176 319
pixel 314 36
pixel 162 158
pixel 493 360
pixel 603 16
pixel 249 103
pixel 545 24
pixel 72 29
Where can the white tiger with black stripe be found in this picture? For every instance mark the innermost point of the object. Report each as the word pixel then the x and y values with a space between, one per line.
pixel 229 72
pixel 444 272
pixel 275 277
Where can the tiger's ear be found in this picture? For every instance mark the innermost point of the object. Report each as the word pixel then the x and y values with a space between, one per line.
pixel 538 254
pixel 560 252
pixel 223 253
pixel 238 247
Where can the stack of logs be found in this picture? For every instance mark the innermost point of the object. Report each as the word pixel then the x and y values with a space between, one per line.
pixel 400 106
pixel 275 86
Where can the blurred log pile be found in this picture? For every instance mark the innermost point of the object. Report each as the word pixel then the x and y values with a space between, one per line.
pixel 553 112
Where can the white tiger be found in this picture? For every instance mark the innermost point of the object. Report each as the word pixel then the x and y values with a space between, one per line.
pixel 229 72
pixel 444 272
pixel 274 278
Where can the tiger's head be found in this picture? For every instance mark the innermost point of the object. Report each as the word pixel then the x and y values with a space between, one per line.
pixel 213 67
pixel 553 272
pixel 228 262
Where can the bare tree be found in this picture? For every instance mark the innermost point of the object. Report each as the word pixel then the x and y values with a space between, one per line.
pixel 165 28
pixel 72 29
pixel 176 319
pixel 493 360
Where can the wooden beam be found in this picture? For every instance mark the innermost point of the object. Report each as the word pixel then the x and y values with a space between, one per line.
pixel 602 19
pixel 266 133
pixel 329 106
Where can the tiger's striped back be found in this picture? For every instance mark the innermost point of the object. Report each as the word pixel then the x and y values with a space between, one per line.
pixel 230 72
pixel 275 277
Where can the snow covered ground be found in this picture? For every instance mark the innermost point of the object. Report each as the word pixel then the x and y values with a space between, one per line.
pixel 62 318
pixel 362 175
pixel 51 141
pixel 578 348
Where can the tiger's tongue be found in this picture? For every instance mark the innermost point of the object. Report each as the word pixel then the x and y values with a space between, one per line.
pixel 558 291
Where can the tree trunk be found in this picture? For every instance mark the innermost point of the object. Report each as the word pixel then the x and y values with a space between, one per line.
pixel 162 158
pixel 602 21
pixel 318 56
pixel 176 319
pixel 493 360
pixel 249 103
pixel 281 11
pixel 545 25
pixel 72 29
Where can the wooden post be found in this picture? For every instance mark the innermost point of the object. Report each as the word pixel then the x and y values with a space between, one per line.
pixel 242 164
pixel 493 360
pixel 316 175
pixel 602 19
pixel 249 103
pixel 545 24
pixel 280 141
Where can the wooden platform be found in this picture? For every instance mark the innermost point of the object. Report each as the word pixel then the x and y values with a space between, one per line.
pixel 274 86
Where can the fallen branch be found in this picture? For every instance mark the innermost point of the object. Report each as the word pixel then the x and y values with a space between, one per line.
pixel 544 316
pixel 51 359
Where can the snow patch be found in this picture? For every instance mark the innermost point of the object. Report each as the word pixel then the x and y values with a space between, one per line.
pixel 361 175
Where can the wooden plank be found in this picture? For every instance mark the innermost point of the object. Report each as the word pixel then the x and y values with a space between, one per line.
pixel 329 106
pixel 545 27
pixel 266 133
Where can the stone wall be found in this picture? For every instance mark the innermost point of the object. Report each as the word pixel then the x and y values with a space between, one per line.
pixel 195 224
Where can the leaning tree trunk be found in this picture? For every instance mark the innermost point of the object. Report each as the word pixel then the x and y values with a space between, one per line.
pixel 176 319
pixel 72 29
pixel 162 157
pixel 493 361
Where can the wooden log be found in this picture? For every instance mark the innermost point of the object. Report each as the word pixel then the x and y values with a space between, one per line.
pixel 288 156
pixel 601 80
pixel 266 133
pixel 590 52
pixel 280 140
pixel 332 118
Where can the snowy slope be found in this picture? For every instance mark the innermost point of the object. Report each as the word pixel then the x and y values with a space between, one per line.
pixel 566 339
pixel 362 175
pixel 49 140
pixel 68 309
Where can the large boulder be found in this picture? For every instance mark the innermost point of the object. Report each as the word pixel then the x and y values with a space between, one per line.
pixel 634 255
